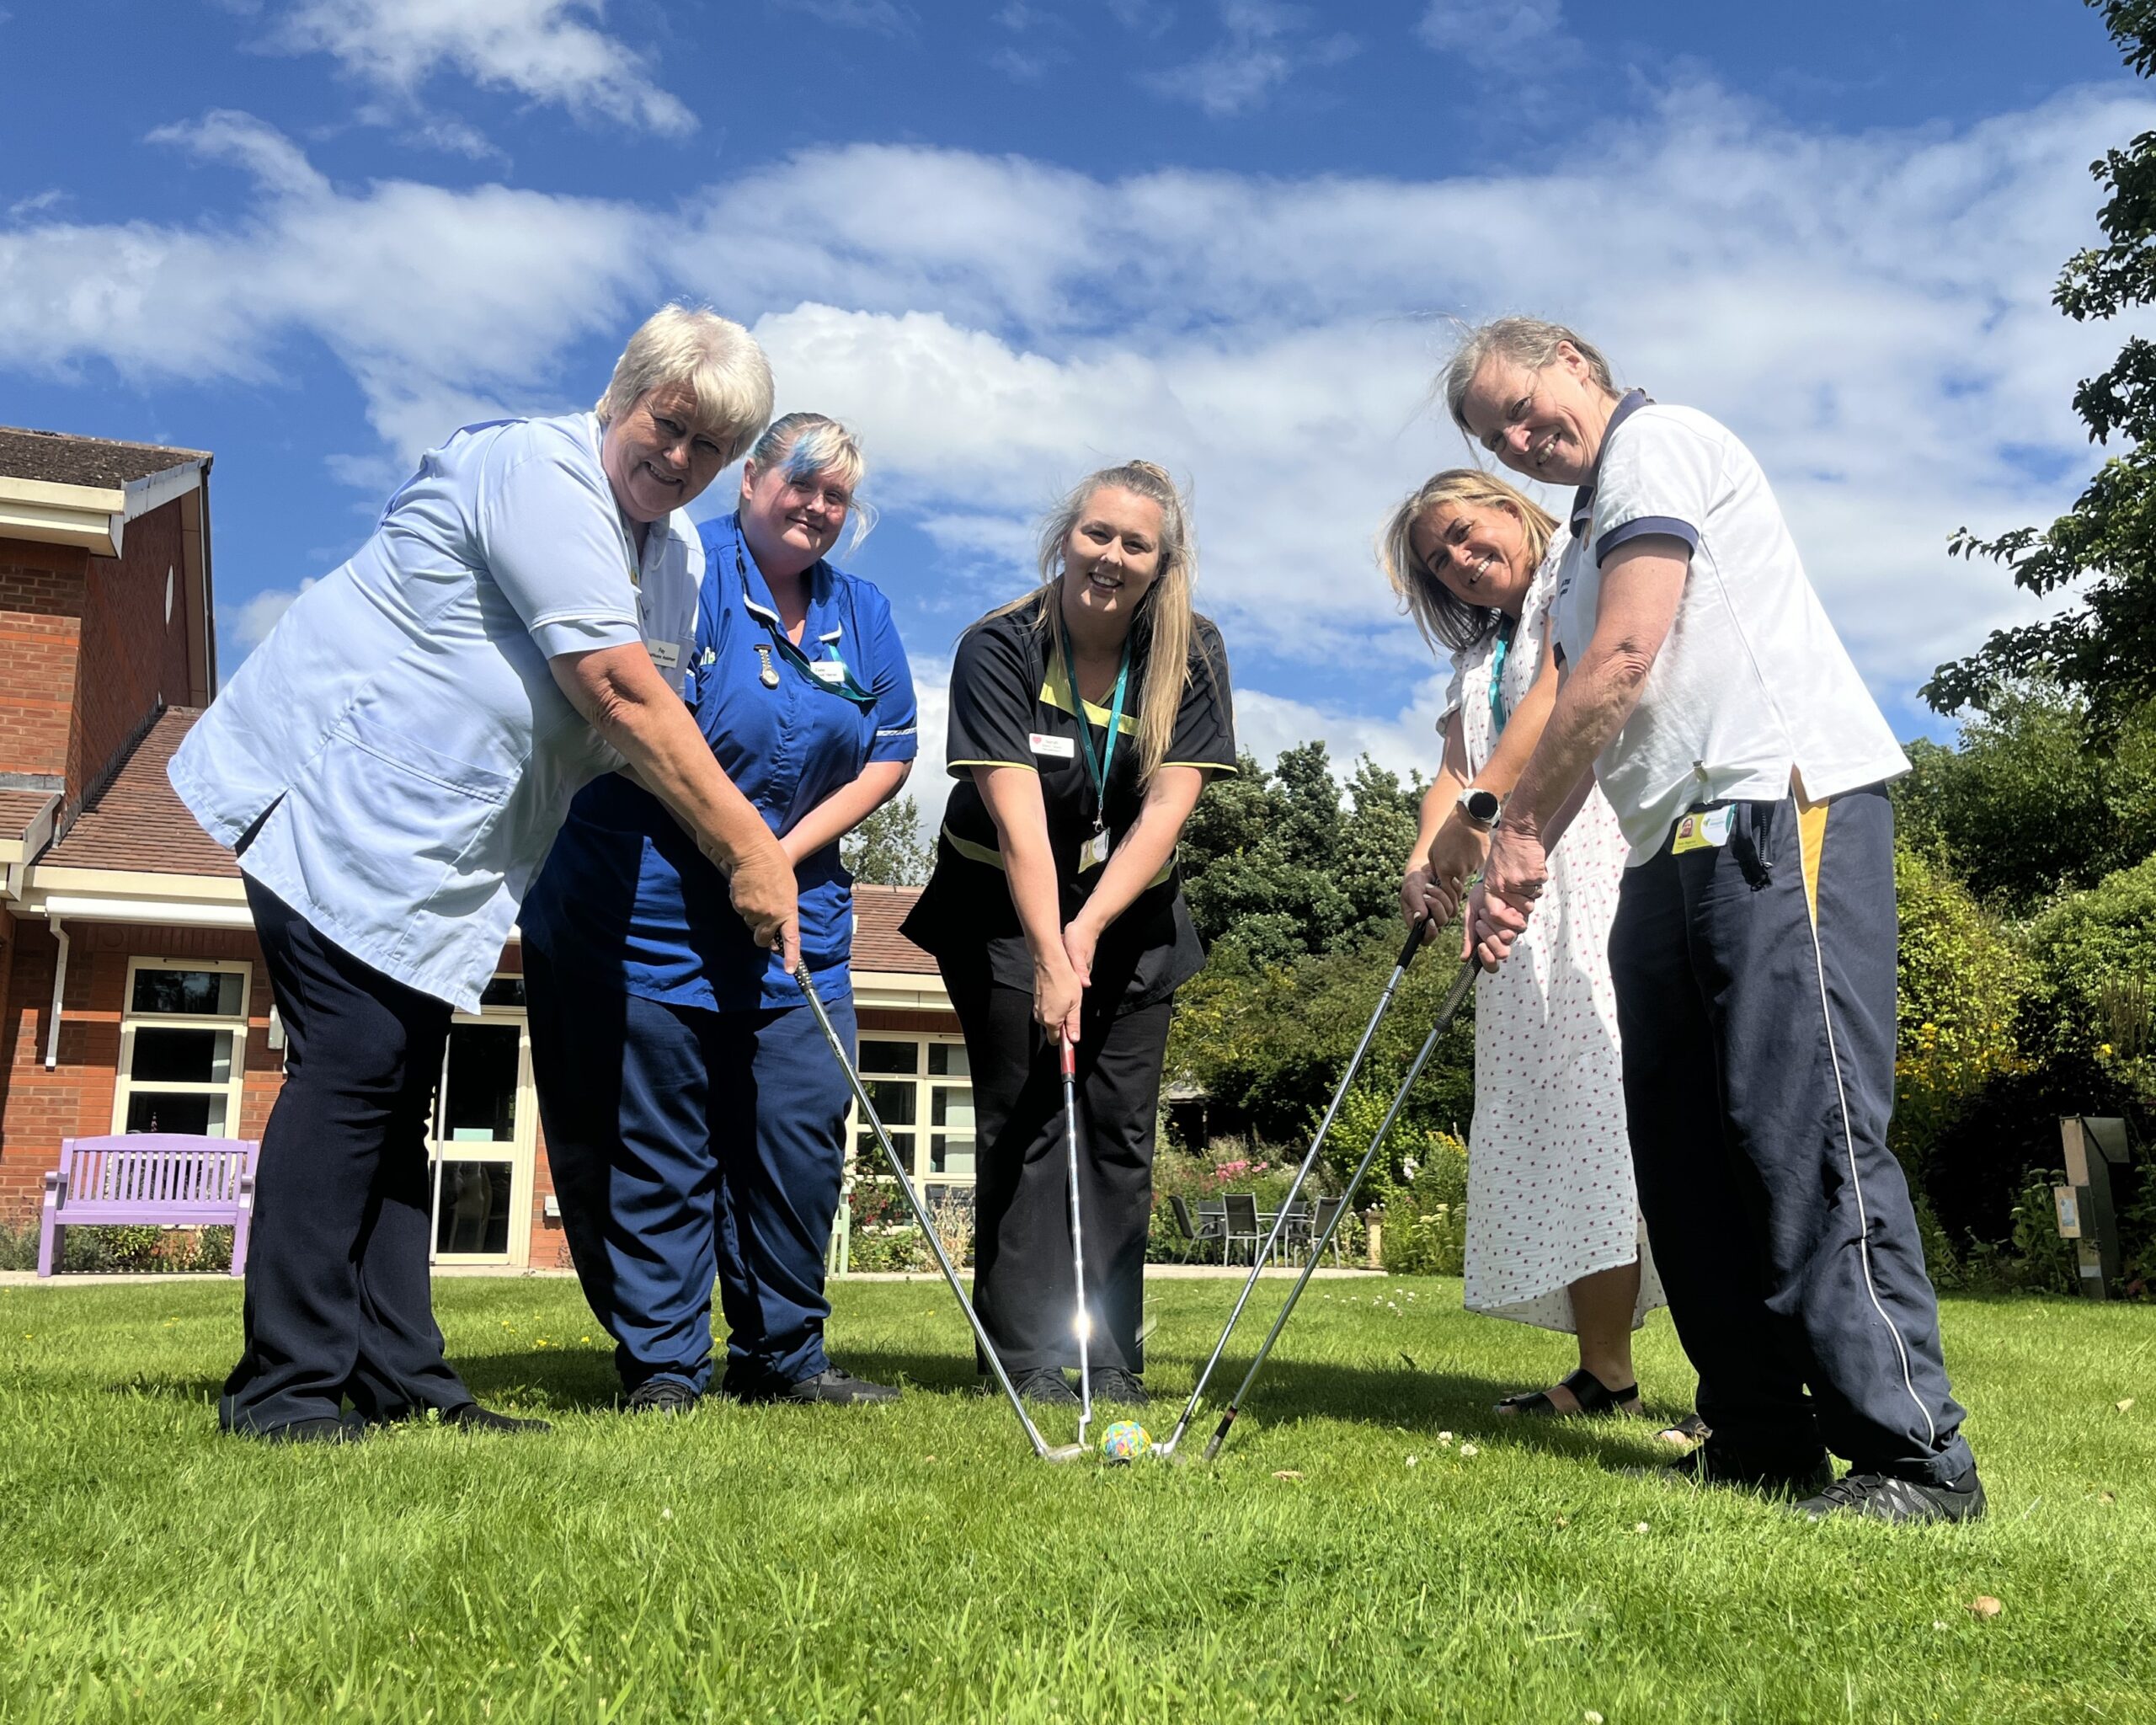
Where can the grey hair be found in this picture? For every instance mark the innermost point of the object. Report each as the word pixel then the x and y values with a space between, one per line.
pixel 801 444
pixel 715 358
pixel 1529 342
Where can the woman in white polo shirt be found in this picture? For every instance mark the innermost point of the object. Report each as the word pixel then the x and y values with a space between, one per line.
pixel 1706 693
pixel 392 766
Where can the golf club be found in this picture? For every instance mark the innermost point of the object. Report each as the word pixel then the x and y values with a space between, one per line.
pixel 1453 996
pixel 1310 1161
pixel 1041 1448
pixel 1083 1321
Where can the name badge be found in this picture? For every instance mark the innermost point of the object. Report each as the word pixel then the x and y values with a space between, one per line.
pixel 665 655
pixel 1703 832
pixel 828 671
pixel 1062 747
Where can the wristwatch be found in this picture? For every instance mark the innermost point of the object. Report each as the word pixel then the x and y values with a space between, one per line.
pixel 1479 808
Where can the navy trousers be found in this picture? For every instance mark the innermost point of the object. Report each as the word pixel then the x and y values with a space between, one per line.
pixel 1755 995
pixel 1021 1198
pixel 337 1300
pixel 688 1145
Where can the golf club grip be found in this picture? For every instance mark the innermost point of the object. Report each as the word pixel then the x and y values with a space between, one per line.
pixel 1070 1055
pixel 1414 943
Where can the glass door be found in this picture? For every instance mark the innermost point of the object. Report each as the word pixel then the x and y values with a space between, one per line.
pixel 483 1135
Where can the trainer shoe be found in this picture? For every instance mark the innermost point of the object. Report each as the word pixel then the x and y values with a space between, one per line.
pixel 1112 1383
pixel 834 1385
pixel 471 1417
pixel 1887 1497
pixel 1046 1383
pixel 662 1395
pixel 1711 1466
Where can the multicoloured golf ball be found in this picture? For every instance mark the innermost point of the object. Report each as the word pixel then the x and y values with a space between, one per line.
pixel 1125 1441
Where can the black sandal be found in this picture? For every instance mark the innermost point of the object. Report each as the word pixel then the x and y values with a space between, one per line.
pixel 1593 1395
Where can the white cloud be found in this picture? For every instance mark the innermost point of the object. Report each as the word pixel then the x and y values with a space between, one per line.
pixel 540 49
pixel 1267 42
pixel 883 16
pixel 37 203
pixel 251 624
pixel 1871 313
pixel 1522 37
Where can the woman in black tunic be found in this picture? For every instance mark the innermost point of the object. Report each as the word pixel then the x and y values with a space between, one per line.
pixel 1084 720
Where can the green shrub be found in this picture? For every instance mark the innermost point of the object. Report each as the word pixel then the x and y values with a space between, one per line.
pixel 1961 983
pixel 92 1250
pixel 2095 997
pixel 1426 1213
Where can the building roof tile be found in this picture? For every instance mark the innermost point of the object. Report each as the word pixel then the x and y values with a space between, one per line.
pixel 59 459
pixel 139 824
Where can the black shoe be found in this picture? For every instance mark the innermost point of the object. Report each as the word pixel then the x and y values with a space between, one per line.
pixel 662 1395
pixel 471 1417
pixel 834 1384
pixel 1887 1497
pixel 1045 1383
pixel 1708 1466
pixel 350 1429
pixel 1112 1383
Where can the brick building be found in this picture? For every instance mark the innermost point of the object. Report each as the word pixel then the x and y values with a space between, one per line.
pixel 134 992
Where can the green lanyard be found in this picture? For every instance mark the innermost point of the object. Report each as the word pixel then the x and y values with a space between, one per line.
pixel 1497 677
pixel 1098 768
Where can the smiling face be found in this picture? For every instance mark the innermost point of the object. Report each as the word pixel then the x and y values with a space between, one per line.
pixel 1478 551
pixel 1112 557
pixel 1546 424
pixel 791 523
pixel 656 455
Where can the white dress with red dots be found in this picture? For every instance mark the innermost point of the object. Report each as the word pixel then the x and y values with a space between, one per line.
pixel 1549 1193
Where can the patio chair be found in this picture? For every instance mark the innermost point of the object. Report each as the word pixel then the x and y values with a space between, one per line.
pixel 1242 1228
pixel 1328 1208
pixel 1206 1231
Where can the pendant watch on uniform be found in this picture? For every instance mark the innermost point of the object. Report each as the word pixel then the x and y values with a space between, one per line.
pixel 768 676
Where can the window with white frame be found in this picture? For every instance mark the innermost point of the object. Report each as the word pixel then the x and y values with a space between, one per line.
pixel 923 1093
pixel 183 1047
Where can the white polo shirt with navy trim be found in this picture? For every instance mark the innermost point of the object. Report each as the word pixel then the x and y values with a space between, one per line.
pixel 1753 686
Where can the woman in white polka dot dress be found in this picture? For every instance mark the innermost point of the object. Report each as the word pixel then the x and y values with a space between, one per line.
pixel 1554 1236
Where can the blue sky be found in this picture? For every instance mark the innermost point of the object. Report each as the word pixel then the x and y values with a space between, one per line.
pixel 1011 241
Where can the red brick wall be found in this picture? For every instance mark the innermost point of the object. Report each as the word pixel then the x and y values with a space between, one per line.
pixel 41 590
pixel 39 1107
pixel 132 659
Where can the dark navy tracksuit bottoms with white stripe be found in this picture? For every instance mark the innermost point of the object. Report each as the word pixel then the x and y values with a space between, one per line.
pixel 1755 995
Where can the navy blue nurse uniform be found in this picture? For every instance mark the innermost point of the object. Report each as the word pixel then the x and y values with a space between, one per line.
pixel 695 1118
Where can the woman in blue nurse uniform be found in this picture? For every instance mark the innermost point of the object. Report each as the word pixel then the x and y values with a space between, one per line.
pixel 695 1119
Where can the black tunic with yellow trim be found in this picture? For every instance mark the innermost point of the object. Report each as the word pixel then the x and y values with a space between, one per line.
pixel 1011 705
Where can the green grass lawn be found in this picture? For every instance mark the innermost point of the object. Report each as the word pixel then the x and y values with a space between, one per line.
pixel 1340 1561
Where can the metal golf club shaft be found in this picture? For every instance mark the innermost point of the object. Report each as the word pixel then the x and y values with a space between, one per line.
pixel 1453 996
pixel 1310 1161
pixel 1083 1321
pixel 1041 1448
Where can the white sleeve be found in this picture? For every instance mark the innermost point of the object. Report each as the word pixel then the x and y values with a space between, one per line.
pixel 1658 477
pixel 1455 691
pixel 554 544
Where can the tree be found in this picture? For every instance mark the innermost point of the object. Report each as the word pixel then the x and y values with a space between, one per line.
pixel 886 849
pixel 2106 648
pixel 2024 809
pixel 1278 870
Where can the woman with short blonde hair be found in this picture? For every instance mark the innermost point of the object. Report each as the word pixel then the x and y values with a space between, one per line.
pixel 391 768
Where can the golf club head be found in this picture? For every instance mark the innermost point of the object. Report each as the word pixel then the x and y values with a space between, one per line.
pixel 1065 1452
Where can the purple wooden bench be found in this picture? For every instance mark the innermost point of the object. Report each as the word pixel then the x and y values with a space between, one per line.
pixel 161 1179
